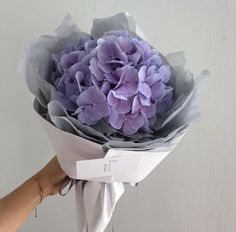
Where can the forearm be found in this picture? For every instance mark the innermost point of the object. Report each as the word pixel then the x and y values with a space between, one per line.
pixel 17 205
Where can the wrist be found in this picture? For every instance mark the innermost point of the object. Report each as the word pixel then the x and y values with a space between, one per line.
pixel 50 182
pixel 44 186
pixel 51 177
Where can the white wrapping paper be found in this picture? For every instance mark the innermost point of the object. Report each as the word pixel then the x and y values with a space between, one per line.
pixel 86 160
pixel 105 172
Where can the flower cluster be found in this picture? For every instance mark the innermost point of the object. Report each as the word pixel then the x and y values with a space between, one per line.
pixel 118 78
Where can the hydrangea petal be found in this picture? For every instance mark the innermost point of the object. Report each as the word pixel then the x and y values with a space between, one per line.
pixel 111 99
pixel 149 111
pixel 135 57
pixel 90 96
pixel 95 70
pixel 153 78
pixel 123 107
pixel 164 71
pixel 96 95
pixel 136 123
pixel 117 124
pixel 136 104
pixel 127 129
pixel 70 87
pixel 158 90
pixel 68 60
pixel 119 96
pixel 144 101
pixel 145 89
pixel 113 116
pixel 102 109
pixel 142 73
pixel 91 113
pixel 83 119
pixel 105 88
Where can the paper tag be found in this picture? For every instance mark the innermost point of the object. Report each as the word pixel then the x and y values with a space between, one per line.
pixel 108 166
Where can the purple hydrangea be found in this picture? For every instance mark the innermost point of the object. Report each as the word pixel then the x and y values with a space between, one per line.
pixel 118 78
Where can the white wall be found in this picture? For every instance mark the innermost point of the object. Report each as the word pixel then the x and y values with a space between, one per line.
pixel 194 189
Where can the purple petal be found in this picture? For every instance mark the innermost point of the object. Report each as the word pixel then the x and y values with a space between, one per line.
pixel 128 82
pixel 149 111
pixel 78 67
pixel 109 50
pixel 164 71
pixel 111 99
pixel 106 50
pixel 93 81
pixel 105 88
pixel 126 90
pixel 95 69
pixel 91 113
pixel 129 76
pixel 69 59
pixel 83 99
pixel 120 54
pixel 96 95
pixel 83 119
pixel 67 103
pixel 127 129
pixel 135 57
pixel 145 89
pixel 142 73
pixel 89 45
pixel 152 69
pixel 137 122
pixel 101 56
pixel 85 60
pixel 133 115
pixel 102 109
pixel 125 44
pixel 90 96
pixel 136 104
pixel 123 107
pixel 106 68
pixel 131 126
pixel 158 90
pixel 113 116
pixel 119 96
pixel 71 87
pixel 144 101
pixel 111 77
pixel 153 78
pixel 118 123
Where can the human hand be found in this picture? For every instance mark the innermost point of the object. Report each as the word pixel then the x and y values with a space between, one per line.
pixel 51 177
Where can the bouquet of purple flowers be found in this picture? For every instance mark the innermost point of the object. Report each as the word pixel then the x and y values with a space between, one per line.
pixel 117 78
pixel 112 105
